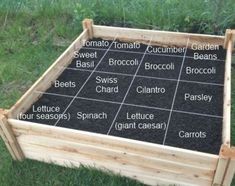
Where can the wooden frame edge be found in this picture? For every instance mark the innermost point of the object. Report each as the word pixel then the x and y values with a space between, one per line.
pixel 8 137
pixel 226 130
pixel 161 38
pixel 25 130
pixel 91 135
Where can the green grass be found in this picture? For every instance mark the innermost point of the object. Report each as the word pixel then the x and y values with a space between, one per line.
pixel 34 33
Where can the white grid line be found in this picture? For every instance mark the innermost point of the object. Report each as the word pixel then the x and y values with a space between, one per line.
pixel 173 101
pixel 136 52
pixel 128 104
pixel 128 88
pixel 142 76
pixel 86 80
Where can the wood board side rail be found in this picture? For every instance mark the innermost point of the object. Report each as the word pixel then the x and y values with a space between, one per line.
pixel 9 138
pixel 187 157
pixel 116 156
pixel 163 38
pixel 226 130
pixel 120 161
pixel 68 161
pixel 45 81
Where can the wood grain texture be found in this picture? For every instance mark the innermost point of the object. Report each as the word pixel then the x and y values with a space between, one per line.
pixel 162 38
pixel 120 155
pixel 226 136
pixel 9 139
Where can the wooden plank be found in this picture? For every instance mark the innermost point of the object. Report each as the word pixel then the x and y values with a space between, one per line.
pixel 161 38
pixel 228 36
pixel 96 158
pixel 4 138
pixel 116 156
pixel 188 157
pixel 10 140
pixel 229 173
pixel 87 24
pixel 220 170
pixel 7 144
pixel 64 161
pixel 226 136
pixel 233 38
pixel 229 154
pixel 45 81
pixel 223 170
pixel 227 151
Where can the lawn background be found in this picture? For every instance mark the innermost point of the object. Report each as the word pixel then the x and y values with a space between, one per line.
pixel 34 33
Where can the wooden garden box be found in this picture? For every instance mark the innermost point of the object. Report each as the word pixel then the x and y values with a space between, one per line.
pixel 149 163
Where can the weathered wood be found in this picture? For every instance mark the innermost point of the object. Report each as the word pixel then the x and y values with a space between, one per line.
pixel 7 143
pixel 228 36
pixel 167 163
pixel 193 158
pixel 161 38
pixel 229 172
pixel 220 171
pixel 228 153
pixel 233 38
pixel 117 159
pixel 226 136
pixel 123 158
pixel 9 139
pixel 70 162
pixel 225 168
pixel 87 24
pixel 45 81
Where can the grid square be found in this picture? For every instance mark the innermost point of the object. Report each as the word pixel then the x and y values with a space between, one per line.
pixel 44 116
pixel 199 98
pixel 161 97
pixel 127 46
pixel 203 71
pixel 217 54
pixel 86 59
pixel 97 43
pixel 206 137
pixel 166 51
pixel 90 116
pixel 69 82
pixel 161 66
pixel 130 125
pixel 106 87
pixel 120 62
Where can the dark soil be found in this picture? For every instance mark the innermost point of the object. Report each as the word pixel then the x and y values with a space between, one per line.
pixel 200 120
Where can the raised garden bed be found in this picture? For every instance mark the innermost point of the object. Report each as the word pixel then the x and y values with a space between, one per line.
pixel 150 105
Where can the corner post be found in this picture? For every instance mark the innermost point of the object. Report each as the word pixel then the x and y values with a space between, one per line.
pixel 228 36
pixel 88 24
pixel 9 138
pixel 226 167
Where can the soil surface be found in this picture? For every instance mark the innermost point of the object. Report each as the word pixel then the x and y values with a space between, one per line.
pixel 163 106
